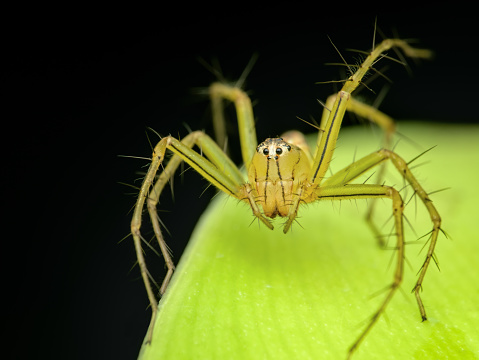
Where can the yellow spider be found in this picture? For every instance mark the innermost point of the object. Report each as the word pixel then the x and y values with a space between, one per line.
pixel 283 174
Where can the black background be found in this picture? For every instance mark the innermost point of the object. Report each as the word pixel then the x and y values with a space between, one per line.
pixel 78 90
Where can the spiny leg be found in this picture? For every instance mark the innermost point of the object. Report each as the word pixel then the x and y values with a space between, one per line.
pixel 365 111
pixel 152 202
pixel 136 225
pixel 386 123
pixel 327 139
pixel 219 170
pixel 340 192
pixel 244 113
pixel 359 167
pixel 216 156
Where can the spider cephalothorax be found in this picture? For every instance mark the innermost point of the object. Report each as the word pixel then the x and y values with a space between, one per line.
pixel 275 173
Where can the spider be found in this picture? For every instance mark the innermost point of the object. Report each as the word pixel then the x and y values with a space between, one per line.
pixel 283 174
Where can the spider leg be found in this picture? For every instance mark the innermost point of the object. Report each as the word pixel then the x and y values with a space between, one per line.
pixel 385 122
pixel 218 169
pixel 244 113
pixel 365 111
pixel 357 168
pixel 331 123
pixel 347 191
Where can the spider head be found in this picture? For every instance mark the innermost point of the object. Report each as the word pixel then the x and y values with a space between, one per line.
pixel 273 148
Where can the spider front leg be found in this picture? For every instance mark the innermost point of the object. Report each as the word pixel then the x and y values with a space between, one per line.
pixel 336 105
pixel 331 123
pixel 219 170
pixel 318 187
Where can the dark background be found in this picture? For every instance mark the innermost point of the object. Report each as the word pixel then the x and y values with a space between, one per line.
pixel 78 90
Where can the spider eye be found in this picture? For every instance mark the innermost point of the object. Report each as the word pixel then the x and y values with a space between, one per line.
pixel 266 151
pixel 288 147
pixel 279 151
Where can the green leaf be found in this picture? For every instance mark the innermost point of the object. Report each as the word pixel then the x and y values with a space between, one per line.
pixel 242 291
